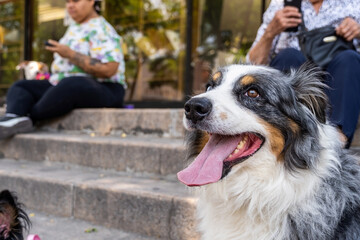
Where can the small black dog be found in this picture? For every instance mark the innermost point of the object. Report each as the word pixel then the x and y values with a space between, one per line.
pixel 13 219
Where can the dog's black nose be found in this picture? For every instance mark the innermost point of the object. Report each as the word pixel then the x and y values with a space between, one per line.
pixel 197 108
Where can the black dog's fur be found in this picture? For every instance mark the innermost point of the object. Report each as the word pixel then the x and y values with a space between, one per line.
pixel 13 218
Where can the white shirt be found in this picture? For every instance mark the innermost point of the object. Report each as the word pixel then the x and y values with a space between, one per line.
pixel 331 12
pixel 95 38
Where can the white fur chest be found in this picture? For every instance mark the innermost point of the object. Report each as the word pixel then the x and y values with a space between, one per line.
pixel 254 203
pixel 221 222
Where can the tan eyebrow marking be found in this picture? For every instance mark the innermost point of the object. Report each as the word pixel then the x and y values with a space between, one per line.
pixel 216 76
pixel 246 80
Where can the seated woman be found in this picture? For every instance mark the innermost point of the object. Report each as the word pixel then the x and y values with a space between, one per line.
pixel 87 72
pixel 280 49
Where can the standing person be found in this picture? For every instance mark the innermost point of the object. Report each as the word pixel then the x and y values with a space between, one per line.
pixel 280 49
pixel 87 72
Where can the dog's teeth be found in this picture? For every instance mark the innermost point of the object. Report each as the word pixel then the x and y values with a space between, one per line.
pixel 240 145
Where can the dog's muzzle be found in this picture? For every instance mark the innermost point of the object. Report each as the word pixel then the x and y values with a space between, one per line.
pixel 196 109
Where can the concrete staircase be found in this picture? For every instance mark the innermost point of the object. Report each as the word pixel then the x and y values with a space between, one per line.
pixel 111 167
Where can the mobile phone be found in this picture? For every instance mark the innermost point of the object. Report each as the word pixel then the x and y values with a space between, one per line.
pixel 48 44
pixel 293 3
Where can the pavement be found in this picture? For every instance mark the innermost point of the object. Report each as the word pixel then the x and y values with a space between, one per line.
pixel 50 227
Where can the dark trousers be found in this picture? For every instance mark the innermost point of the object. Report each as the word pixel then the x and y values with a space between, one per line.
pixel 41 100
pixel 343 82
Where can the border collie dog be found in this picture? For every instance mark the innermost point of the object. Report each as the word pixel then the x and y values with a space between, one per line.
pixel 13 219
pixel 269 165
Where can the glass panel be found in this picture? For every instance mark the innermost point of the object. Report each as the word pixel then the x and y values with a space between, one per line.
pixel 225 30
pixel 267 2
pixel 11 41
pixel 154 36
pixel 48 24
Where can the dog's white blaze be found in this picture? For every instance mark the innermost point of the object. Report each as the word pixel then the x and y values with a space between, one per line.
pixel 224 102
pixel 235 113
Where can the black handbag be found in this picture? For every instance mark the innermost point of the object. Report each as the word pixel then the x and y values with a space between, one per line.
pixel 320 45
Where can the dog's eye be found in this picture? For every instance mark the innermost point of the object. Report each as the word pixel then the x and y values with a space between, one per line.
pixel 252 93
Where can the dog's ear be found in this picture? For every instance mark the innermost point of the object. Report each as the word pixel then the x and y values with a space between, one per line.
pixel 308 85
pixel 22 65
pixel 302 145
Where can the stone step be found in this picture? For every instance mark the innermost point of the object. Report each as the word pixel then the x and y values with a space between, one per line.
pixel 153 207
pixel 110 121
pixel 161 156
pixel 52 227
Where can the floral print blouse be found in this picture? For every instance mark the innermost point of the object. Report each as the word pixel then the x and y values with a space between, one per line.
pixel 331 12
pixel 95 38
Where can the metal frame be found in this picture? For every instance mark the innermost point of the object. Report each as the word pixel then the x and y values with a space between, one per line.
pixel 188 74
pixel 28 27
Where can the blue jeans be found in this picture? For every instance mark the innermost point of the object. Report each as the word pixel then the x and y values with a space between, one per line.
pixel 343 82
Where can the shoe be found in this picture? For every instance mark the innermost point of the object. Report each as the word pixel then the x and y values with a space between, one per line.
pixel 11 125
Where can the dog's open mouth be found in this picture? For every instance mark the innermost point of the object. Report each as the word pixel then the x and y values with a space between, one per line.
pixel 218 156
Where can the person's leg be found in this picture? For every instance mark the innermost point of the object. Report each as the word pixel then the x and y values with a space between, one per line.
pixel 287 59
pixel 344 91
pixel 77 92
pixel 23 95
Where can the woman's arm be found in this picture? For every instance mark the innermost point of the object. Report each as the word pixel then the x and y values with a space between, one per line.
pixel 283 19
pixel 90 65
pixel 259 54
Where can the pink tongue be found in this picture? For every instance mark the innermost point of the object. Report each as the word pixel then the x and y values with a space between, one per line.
pixel 207 167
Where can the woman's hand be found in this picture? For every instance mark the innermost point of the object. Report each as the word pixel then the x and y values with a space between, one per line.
pixel 348 29
pixel 90 65
pixel 285 18
pixel 63 50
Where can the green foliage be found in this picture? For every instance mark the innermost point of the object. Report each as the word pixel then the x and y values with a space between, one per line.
pixel 228 27
pixel 12 50
pixel 134 18
pixel 141 18
pixel 42 32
